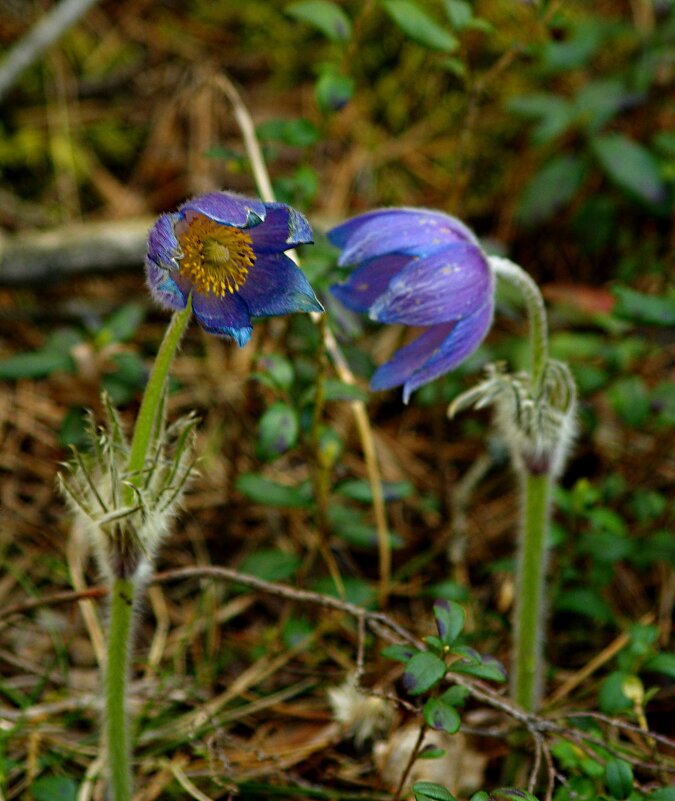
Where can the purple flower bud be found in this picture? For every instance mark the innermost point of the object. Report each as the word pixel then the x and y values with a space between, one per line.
pixel 421 268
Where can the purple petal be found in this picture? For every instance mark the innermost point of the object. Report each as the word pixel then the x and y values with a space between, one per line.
pixel 367 282
pixel 163 247
pixel 228 208
pixel 435 352
pixel 448 285
pixel 276 286
pixel 225 316
pixel 417 232
pixel 410 358
pixel 283 228
pixel 163 288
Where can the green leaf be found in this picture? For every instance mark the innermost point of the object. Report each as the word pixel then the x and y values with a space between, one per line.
pixel 661 663
pixel 419 26
pixel 35 365
pixel 431 752
pixel 611 697
pixel 270 493
pixel 441 716
pixel 551 189
pixel 631 166
pixel 399 653
pixel 481 795
pixel 360 490
pixel 630 398
pixel 356 590
pixel 642 308
pixel 490 669
pixel 73 428
pixel 122 325
pixel 54 788
pixel 297 132
pixel 333 91
pixel 619 778
pixel 430 791
pixel 455 66
pixel 468 653
pixel 664 794
pixel 422 672
pixel 448 589
pixel 349 525
pixel 127 380
pixel 277 372
pixel 575 51
pixel 54 356
pixel 450 618
pixel 336 390
pixel 277 431
pixel 327 17
pixel 585 601
pixel 455 695
pixel 297 630
pixel 435 644
pixel 597 102
pixel 271 565
pixel 459 13
pixel 554 114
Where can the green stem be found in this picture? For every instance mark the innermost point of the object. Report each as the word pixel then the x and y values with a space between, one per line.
pixel 530 583
pixel 117 729
pixel 152 397
pixel 123 588
pixel 536 490
pixel 536 312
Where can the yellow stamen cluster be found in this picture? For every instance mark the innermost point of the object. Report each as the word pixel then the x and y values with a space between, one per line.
pixel 216 258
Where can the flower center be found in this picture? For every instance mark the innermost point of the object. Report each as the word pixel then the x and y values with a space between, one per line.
pixel 216 258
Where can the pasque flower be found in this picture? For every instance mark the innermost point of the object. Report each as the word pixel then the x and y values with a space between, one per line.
pixel 228 252
pixel 418 268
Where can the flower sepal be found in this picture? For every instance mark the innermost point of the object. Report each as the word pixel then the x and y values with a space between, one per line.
pixel 538 428
pixel 126 516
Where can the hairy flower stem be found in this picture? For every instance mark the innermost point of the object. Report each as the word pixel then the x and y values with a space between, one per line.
pixel 125 585
pixel 152 397
pixel 536 491
pixel 116 725
pixel 531 580
pixel 536 312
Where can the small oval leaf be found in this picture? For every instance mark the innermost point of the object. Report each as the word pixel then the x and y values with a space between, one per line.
pixel 441 716
pixel 619 778
pixel 631 166
pixel 277 431
pixel 327 17
pixel 430 791
pixel 419 26
pixel 422 672
pixel 450 619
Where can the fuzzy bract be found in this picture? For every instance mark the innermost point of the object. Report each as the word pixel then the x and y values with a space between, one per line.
pixel 419 268
pixel 228 251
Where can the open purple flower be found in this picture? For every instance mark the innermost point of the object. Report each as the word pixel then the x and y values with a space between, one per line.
pixel 418 268
pixel 228 251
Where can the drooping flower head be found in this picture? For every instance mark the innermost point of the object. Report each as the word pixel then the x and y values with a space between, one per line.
pixel 418 268
pixel 229 252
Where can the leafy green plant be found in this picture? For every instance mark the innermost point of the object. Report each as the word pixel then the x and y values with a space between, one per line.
pixel 446 654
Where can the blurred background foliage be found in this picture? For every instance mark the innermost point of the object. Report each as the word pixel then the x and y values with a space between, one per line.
pixel 549 127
